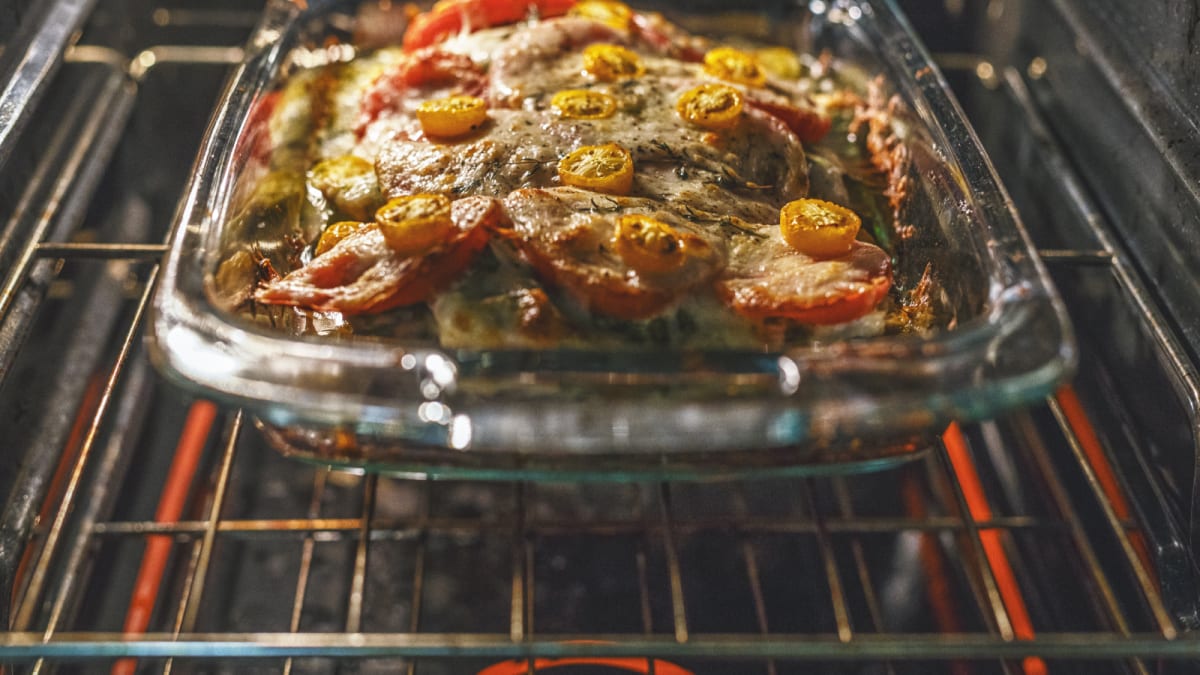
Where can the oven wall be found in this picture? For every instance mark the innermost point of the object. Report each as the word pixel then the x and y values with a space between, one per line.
pixel 1115 85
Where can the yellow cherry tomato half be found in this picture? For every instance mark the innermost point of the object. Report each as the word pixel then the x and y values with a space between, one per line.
pixel 649 245
pixel 712 106
pixel 609 63
pixel 819 228
pixel 604 168
pixel 734 65
pixel 337 232
pixel 614 14
pixel 780 61
pixel 583 104
pixel 349 183
pixel 452 117
pixel 414 224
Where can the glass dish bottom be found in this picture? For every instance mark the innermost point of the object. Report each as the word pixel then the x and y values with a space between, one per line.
pixel 343 450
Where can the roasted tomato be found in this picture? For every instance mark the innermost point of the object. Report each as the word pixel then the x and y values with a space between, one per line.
pixel 450 17
pixel 583 104
pixel 742 68
pixel 363 274
pixel 609 63
pixel 649 245
pixel 712 106
pixel 414 224
pixel 773 280
pixel 608 12
pixel 617 257
pixel 452 117
pixel 666 38
pixel 429 68
pixel 819 228
pixel 809 125
pixel 780 62
pixel 734 65
pixel 348 183
pixel 434 67
pixel 337 232
pixel 603 168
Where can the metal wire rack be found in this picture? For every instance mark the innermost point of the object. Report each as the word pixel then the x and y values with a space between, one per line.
pixel 1019 545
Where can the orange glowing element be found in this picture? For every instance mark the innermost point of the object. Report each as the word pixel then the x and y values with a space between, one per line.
pixel 631 665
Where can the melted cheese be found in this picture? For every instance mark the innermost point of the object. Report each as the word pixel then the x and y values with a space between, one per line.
pixel 538 290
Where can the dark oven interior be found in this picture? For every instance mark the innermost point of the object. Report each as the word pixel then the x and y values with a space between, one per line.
pixel 139 522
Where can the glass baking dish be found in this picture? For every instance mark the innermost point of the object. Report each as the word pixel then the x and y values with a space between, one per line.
pixel 410 406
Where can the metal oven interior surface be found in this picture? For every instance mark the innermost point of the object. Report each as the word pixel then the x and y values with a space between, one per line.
pixel 1060 538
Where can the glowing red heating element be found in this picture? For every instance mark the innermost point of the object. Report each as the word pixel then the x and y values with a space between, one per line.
pixel 630 665
pixel 980 510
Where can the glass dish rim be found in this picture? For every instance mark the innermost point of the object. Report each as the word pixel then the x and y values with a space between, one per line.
pixel 1008 307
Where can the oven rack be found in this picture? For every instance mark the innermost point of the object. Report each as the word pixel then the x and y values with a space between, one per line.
pixel 981 541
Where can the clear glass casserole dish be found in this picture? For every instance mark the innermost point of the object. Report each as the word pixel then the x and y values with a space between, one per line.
pixel 408 405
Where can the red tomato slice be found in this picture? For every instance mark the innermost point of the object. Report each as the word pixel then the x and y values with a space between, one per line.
pixel 780 283
pixel 362 275
pixel 572 249
pixel 427 68
pixel 808 124
pixel 449 17
pixel 436 68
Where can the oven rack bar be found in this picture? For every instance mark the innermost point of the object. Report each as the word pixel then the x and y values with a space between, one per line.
pixel 29 61
pixel 341 529
pixel 915 646
pixel 105 251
